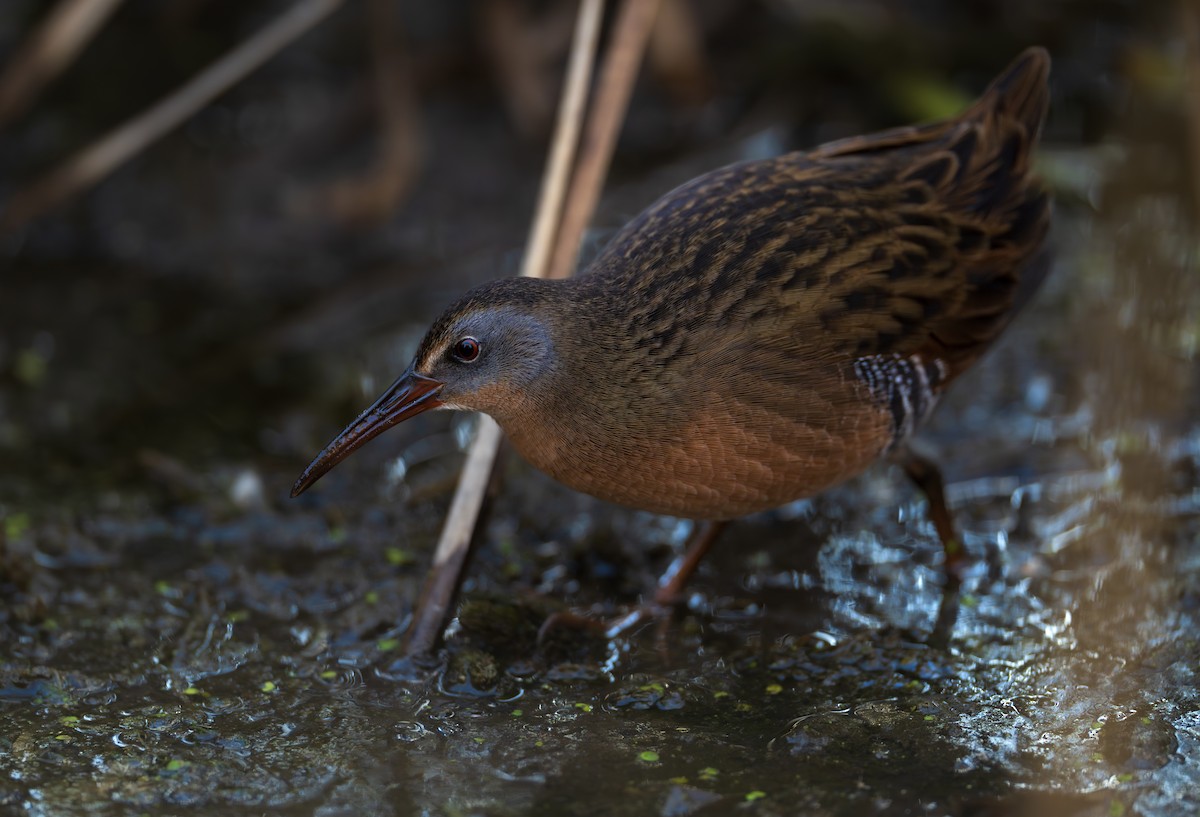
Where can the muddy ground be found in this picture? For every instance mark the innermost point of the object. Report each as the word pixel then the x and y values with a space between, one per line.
pixel 178 637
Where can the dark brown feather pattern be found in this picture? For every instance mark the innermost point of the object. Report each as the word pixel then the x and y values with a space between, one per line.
pixel 908 241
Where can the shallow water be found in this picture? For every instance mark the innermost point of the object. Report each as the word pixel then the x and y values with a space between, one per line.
pixel 177 637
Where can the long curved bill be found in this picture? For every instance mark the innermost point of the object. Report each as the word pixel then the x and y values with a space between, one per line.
pixel 411 394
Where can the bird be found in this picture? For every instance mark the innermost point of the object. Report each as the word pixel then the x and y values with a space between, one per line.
pixel 762 332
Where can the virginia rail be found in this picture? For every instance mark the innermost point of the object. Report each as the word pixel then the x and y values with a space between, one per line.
pixel 763 332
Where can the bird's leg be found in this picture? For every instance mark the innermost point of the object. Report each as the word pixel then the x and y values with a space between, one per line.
pixel 675 579
pixel 670 589
pixel 671 584
pixel 928 477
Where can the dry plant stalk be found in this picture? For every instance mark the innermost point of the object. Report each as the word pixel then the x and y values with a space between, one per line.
pixel 374 195
pixel 1190 19
pixel 525 46
pixel 676 53
pixel 118 146
pixel 48 50
pixel 455 541
pixel 629 37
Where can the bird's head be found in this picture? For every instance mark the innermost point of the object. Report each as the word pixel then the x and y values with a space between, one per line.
pixel 484 353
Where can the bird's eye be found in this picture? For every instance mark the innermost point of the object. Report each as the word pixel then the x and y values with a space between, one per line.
pixel 466 350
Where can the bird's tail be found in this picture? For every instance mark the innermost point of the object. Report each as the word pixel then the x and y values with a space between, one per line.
pixel 978 169
pixel 1020 93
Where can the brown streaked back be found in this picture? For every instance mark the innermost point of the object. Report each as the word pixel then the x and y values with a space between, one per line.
pixel 909 241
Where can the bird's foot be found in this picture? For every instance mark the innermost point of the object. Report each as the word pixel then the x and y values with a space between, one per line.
pixel 567 620
pixel 667 598
pixel 610 628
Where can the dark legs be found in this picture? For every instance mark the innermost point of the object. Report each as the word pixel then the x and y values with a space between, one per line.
pixel 925 473
pixel 672 583
pixel 670 589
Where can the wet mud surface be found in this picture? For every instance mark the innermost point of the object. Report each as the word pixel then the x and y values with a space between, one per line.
pixel 177 637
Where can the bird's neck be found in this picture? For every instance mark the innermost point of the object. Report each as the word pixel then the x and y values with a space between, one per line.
pixel 562 411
